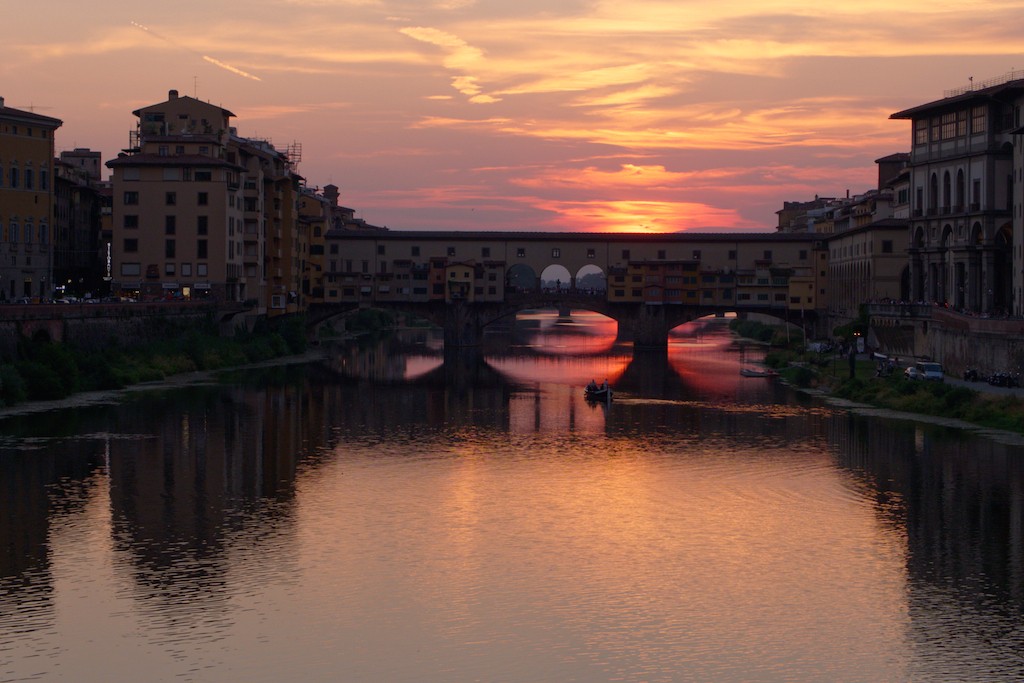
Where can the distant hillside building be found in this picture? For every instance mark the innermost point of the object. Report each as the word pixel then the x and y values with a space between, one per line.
pixel 26 203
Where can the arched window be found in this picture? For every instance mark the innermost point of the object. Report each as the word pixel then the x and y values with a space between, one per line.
pixel 946 192
pixel 14 177
pixel 13 235
pixel 933 193
pixel 961 191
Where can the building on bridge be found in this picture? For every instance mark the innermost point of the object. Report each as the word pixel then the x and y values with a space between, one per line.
pixel 774 272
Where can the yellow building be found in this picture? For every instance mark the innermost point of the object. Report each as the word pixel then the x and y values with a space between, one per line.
pixel 26 203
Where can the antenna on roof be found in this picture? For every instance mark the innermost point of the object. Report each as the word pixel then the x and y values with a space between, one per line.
pixel 195 87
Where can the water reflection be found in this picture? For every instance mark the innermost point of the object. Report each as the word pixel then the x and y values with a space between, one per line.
pixel 702 527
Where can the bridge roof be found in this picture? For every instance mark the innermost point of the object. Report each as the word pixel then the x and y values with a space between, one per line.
pixel 498 236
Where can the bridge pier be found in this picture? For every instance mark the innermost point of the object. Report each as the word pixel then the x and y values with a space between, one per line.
pixel 651 327
pixel 462 325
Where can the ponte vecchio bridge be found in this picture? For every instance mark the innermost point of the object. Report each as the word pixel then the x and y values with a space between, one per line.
pixel 464 281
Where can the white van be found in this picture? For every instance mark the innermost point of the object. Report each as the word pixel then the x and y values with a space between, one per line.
pixel 930 371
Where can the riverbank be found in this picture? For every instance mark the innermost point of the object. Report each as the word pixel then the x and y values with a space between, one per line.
pixel 194 378
pixel 42 370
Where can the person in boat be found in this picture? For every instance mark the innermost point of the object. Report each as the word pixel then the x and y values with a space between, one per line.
pixel 604 387
pixel 592 386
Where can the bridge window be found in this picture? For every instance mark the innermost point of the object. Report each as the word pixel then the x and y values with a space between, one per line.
pixel 556 253
pixel 708 294
pixel 591 253
pixel 129 197
pixel 485 252
pixel 696 254
pixel 451 251
pixel 521 253
pixel 637 292
pixel 732 254
pixel 415 251
pixel 661 253
pixel 625 254
pixel 886 246
pixel 171 198
pixel 131 221
pixel 380 250
pixel 803 254
pixel 620 292
pixel 767 254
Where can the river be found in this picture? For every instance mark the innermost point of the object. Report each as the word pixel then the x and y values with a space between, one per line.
pixel 393 515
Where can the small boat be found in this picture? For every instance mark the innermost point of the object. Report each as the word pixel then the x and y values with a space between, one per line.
pixel 750 372
pixel 598 394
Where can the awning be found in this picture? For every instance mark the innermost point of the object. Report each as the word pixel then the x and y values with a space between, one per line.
pixel 201 285
pixel 170 285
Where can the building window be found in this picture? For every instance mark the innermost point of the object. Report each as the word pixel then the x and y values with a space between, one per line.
pixel 13 177
pixel 201 270
pixel 186 269
pixel 131 269
pixel 767 254
pixel 451 251
pixel 415 250
pixel 979 119
pixel 28 178
pixel 44 179
pixel 556 253
pixel 803 254
pixel 169 269
pixel 131 245
pixel 131 198
pixel 170 225
pixel 169 249
pixel 171 198
pixel 520 252
pixel 201 251
pixel 131 221
pixel 732 254
pixel 886 246
pixel 202 224
pixel 203 198
pixel 380 250
pixel 203 176
pixel 485 252
pixel 661 254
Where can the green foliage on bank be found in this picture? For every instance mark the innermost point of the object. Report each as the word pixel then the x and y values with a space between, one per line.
pixel 43 370
pixel 783 336
pixel 935 398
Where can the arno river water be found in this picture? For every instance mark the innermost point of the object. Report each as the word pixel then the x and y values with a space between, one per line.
pixel 389 516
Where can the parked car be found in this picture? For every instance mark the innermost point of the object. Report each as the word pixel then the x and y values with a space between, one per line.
pixel 912 372
pixel 930 371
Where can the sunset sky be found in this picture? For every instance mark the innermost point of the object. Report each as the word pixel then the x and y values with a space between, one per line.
pixel 645 115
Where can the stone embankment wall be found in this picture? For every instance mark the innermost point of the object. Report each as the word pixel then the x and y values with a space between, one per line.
pixel 97 326
pixel 957 341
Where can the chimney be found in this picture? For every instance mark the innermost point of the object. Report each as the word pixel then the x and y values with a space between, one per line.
pixel 1 103
pixel 172 95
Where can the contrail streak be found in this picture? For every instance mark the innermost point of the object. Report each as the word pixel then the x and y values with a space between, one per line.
pixel 230 68
pixel 207 58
